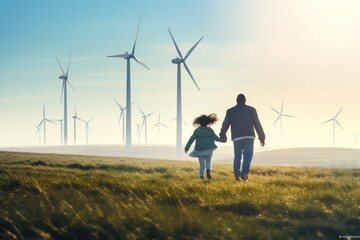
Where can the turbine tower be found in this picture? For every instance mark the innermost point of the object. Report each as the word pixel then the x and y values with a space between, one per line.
pixel 61 129
pixel 281 115
pixel 75 117
pixel 129 56
pixel 333 119
pixel 43 121
pixel 145 122
pixel 159 124
pixel 64 77
pixel 87 129
pixel 138 131
pixel 181 60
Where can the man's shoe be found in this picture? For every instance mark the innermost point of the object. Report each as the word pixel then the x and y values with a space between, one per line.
pixel 237 178
pixel 208 175
pixel 202 177
pixel 244 177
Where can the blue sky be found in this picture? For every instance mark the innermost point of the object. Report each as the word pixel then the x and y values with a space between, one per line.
pixel 303 53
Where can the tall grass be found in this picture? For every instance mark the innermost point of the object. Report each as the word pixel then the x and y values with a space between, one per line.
pixel 80 197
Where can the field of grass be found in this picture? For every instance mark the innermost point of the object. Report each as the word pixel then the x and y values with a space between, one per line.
pixel 79 197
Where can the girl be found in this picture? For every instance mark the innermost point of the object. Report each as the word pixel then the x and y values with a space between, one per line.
pixel 205 142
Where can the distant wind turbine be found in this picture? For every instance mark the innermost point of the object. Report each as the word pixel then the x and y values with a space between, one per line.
pixel 333 119
pixel 280 115
pixel 356 138
pixel 138 131
pixel 122 117
pixel 128 56
pixel 87 129
pixel 38 132
pixel 75 117
pixel 181 60
pixel 61 128
pixel 43 121
pixel 144 123
pixel 159 124
pixel 65 79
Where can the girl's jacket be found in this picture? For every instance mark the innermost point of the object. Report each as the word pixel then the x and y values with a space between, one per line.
pixel 205 139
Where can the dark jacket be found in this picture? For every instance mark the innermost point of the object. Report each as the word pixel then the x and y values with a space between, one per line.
pixel 205 139
pixel 242 119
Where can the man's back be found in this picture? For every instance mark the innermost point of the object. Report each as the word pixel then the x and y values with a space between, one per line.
pixel 242 119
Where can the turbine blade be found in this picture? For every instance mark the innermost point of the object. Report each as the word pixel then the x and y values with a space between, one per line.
pixel 121 114
pixel 285 115
pixel 338 112
pixel 275 110
pixel 62 91
pixel 282 105
pixel 163 125
pixel 150 114
pixel 192 49
pixel 142 111
pixel 70 85
pixel 67 70
pixel 172 119
pixel 118 104
pixel 277 120
pixel 188 70
pixel 119 56
pixel 339 124
pixel 60 65
pixel 154 126
pixel 90 120
pixel 137 33
pixel 185 122
pixel 328 121
pixel 176 46
pixel 141 63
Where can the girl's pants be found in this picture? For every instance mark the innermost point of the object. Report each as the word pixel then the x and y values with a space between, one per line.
pixel 204 161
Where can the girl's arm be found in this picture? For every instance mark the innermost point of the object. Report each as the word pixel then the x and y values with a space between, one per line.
pixel 216 138
pixel 191 140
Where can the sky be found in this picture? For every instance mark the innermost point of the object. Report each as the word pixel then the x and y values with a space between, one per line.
pixel 302 53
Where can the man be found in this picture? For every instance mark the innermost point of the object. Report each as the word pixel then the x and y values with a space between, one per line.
pixel 242 119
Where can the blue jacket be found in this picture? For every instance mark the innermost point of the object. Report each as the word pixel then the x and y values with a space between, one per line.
pixel 205 139
pixel 242 119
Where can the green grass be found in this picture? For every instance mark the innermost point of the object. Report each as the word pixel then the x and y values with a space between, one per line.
pixel 79 197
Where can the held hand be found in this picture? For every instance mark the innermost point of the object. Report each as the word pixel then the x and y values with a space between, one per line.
pixel 262 144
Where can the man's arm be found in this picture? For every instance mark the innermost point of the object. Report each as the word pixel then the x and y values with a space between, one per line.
pixel 258 128
pixel 225 126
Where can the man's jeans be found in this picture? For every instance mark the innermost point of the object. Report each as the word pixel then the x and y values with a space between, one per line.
pixel 243 147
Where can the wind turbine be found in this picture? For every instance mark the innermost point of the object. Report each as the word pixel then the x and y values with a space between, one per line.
pixel 158 124
pixel 61 128
pixel 64 77
pixel 138 130
pixel 356 138
pixel 87 129
pixel 281 115
pixel 38 132
pixel 129 56
pixel 333 119
pixel 75 117
pixel 43 121
pixel 145 122
pixel 121 117
pixel 181 60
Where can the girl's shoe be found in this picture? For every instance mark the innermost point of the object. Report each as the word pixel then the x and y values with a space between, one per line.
pixel 208 175
pixel 202 177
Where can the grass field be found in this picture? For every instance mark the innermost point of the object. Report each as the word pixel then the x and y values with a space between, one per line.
pixel 78 197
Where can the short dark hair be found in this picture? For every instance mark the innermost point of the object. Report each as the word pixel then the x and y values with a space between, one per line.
pixel 241 98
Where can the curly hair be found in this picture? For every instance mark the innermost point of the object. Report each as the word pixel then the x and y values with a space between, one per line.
pixel 205 120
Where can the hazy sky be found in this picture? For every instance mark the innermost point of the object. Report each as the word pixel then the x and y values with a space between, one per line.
pixel 305 53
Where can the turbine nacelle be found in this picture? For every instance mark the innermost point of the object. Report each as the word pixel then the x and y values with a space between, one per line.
pixel 177 60
pixel 63 77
